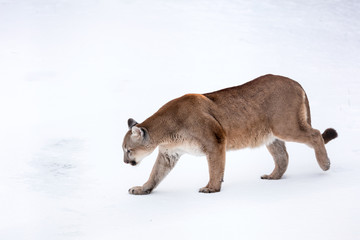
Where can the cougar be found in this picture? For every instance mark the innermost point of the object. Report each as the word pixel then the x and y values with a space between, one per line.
pixel 265 111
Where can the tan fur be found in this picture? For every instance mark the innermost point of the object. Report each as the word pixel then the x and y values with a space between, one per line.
pixel 268 110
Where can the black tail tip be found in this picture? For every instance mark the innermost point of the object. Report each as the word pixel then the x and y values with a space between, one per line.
pixel 329 135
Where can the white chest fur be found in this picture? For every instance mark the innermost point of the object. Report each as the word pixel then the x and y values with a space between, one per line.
pixel 180 149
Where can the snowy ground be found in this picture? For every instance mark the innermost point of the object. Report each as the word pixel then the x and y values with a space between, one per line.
pixel 73 72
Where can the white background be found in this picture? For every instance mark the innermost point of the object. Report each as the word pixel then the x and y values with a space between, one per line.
pixel 73 72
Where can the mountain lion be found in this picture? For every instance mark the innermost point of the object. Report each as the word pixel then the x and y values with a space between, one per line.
pixel 267 110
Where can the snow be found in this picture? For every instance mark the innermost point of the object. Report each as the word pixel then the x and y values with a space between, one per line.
pixel 73 72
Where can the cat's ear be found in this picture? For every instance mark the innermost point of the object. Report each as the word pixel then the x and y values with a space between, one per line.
pixel 139 133
pixel 131 123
